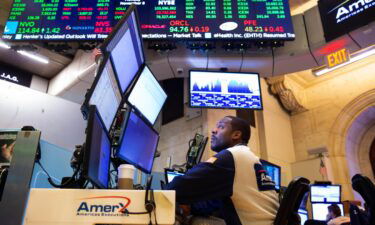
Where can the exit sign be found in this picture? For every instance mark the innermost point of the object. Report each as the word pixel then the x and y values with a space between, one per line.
pixel 337 58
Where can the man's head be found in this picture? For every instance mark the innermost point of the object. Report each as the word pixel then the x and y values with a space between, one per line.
pixel 334 211
pixel 229 132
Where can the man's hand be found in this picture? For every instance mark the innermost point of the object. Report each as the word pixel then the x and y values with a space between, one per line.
pixel 185 210
pixel 7 151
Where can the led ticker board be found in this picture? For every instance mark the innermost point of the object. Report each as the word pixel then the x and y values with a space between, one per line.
pixel 62 19
pixel 340 17
pixel 217 19
pixel 160 19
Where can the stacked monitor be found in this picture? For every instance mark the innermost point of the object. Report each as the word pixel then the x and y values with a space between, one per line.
pixel 97 151
pixel 139 143
pixel 105 93
pixel 147 95
pixel 122 76
pixel 325 193
pixel 274 171
pixel 125 47
pixel 322 196
pixel 320 210
pixel 225 90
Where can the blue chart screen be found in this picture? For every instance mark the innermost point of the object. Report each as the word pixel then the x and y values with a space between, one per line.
pixel 225 90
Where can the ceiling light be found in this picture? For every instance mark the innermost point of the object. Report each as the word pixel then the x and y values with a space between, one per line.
pixel 34 56
pixel 4 45
pixel 354 57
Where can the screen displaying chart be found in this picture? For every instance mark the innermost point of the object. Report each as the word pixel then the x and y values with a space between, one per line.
pixel 225 90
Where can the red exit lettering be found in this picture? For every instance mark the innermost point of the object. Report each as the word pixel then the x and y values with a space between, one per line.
pixel 250 22
pixel 102 24
pixel 179 23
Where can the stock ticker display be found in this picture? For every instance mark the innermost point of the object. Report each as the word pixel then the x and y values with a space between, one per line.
pixel 159 19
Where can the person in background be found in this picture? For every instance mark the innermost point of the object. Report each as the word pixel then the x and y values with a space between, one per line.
pixel 334 216
pixel 7 151
pixel 234 175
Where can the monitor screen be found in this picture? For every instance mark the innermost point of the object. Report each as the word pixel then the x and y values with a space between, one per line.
pixel 340 17
pixel 225 90
pixel 147 95
pixel 273 171
pixel 320 210
pixel 126 50
pixel 163 19
pixel 171 174
pixel 105 93
pixel 97 150
pixel 325 193
pixel 139 143
pixel 303 215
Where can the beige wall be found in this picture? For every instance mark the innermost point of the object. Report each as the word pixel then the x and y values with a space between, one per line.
pixel 174 141
pixel 277 135
pixel 327 99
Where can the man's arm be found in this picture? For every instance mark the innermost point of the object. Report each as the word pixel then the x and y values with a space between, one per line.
pixel 209 180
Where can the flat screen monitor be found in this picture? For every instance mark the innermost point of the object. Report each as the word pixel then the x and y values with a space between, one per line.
pixel 147 95
pixel 325 193
pixel 105 93
pixel 171 174
pixel 340 17
pixel 97 151
pixel 139 143
pixel 274 171
pixel 125 47
pixel 303 214
pixel 225 90
pixel 320 210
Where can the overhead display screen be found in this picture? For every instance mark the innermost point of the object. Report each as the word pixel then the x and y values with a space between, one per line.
pixel 160 19
pixel 225 90
pixel 340 17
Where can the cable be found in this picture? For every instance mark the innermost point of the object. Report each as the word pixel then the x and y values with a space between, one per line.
pixel 50 178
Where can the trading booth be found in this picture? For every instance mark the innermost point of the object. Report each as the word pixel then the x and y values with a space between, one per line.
pixel 125 100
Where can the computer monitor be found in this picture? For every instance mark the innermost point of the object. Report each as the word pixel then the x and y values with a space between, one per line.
pixel 320 210
pixel 210 89
pixel 105 93
pixel 274 171
pixel 97 151
pixel 325 193
pixel 125 47
pixel 147 95
pixel 303 214
pixel 139 143
pixel 171 174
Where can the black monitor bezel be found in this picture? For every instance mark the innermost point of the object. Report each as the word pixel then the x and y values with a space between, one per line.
pixel 122 140
pixel 212 71
pixel 132 88
pixel 86 104
pixel 324 185
pixel 327 203
pixel 113 35
pixel 93 111
pixel 267 162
